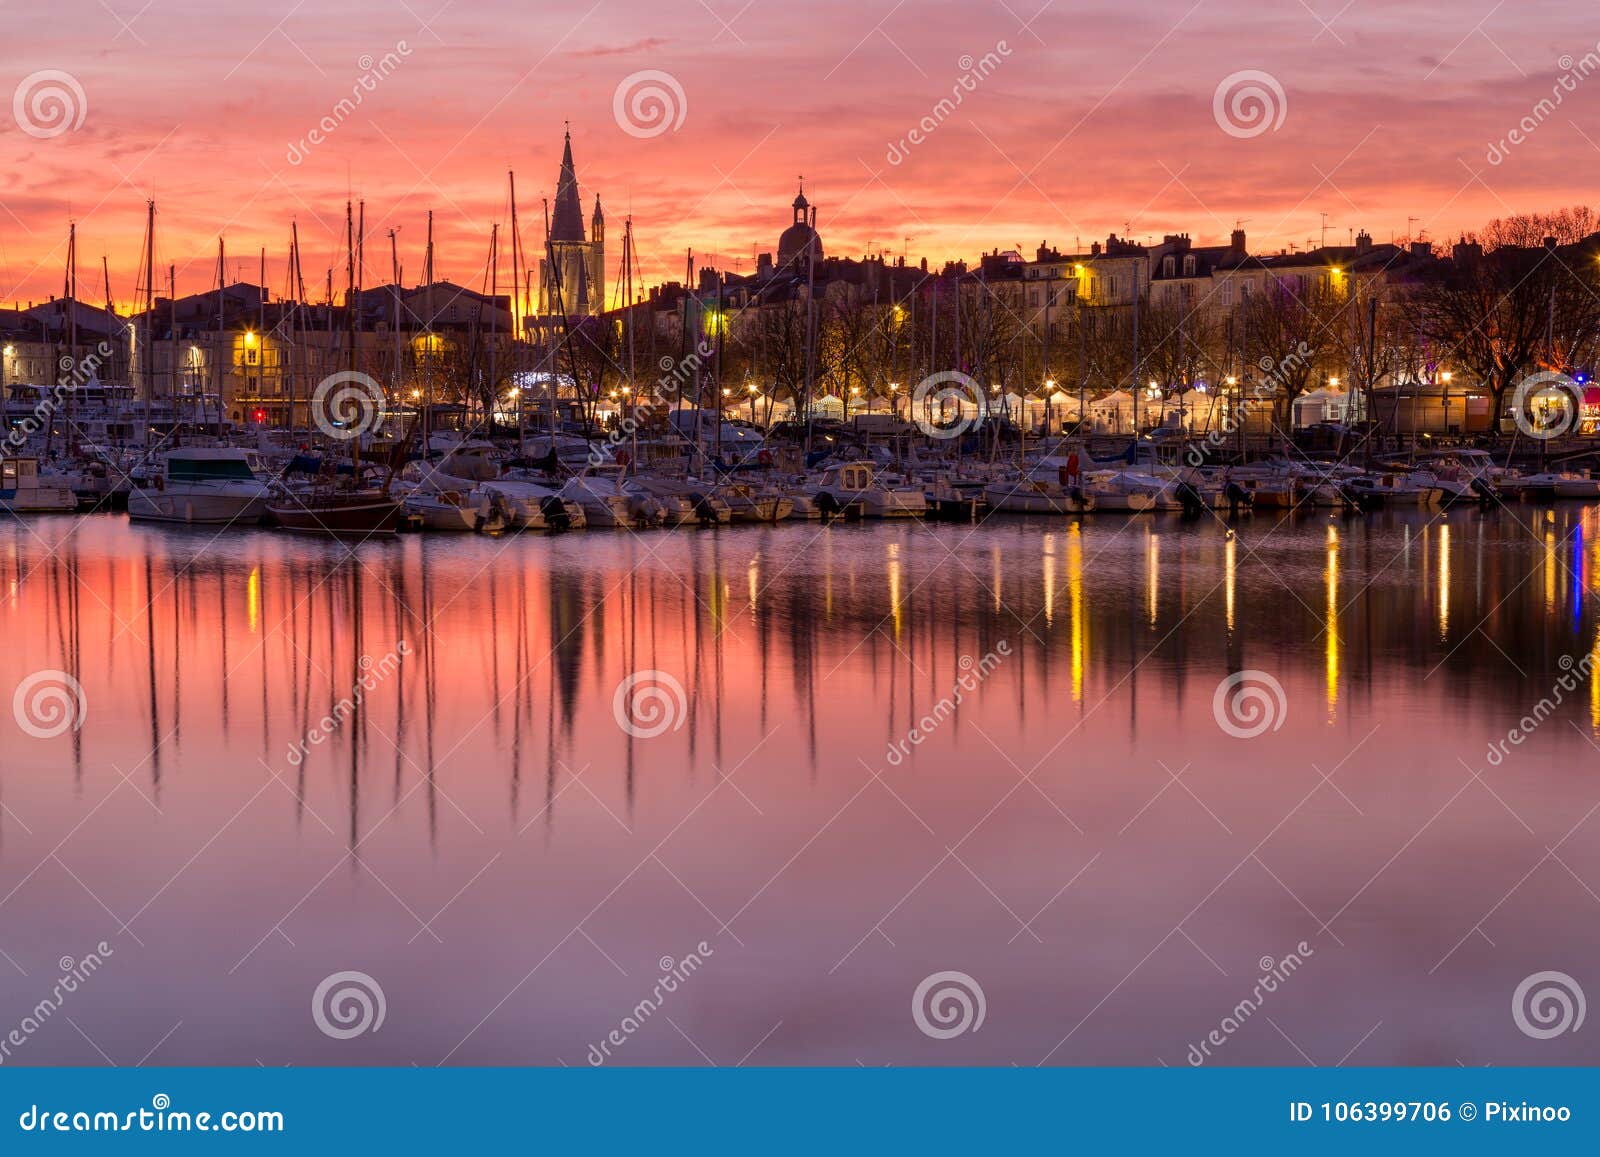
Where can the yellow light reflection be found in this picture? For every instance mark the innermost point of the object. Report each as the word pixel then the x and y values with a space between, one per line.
pixel 1230 562
pixel 1594 684
pixel 896 594
pixel 1050 580
pixel 253 599
pixel 1444 580
pixel 1332 623
pixel 1080 626
pixel 1550 571
pixel 1153 565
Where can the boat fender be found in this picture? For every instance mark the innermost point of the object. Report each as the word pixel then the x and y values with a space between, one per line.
pixel 827 503
pixel 1237 496
pixel 765 457
pixel 161 482
pixel 1072 465
pixel 624 458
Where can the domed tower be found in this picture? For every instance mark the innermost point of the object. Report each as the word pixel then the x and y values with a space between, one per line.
pixel 800 244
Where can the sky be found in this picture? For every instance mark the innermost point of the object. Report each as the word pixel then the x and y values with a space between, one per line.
pixel 1074 120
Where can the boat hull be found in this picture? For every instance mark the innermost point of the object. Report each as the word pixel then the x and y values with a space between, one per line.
pixel 352 517
pixel 195 509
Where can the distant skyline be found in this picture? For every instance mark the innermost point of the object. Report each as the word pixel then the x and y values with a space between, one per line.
pixel 1073 122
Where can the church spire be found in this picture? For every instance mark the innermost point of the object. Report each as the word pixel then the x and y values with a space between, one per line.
pixel 567 222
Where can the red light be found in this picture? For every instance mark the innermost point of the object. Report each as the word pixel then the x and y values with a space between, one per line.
pixel 261 416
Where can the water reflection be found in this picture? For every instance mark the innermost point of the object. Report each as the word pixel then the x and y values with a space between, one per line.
pixel 801 651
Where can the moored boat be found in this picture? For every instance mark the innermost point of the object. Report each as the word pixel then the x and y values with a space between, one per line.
pixel 201 485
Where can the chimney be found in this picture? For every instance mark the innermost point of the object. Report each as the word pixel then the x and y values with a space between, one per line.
pixel 1363 242
pixel 1094 250
pixel 1236 241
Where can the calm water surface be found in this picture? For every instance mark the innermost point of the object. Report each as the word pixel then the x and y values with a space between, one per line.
pixel 1079 834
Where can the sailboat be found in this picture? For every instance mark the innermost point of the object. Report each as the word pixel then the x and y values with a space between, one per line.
pixel 332 503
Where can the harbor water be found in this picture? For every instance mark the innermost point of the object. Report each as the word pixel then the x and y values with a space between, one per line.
pixel 1113 773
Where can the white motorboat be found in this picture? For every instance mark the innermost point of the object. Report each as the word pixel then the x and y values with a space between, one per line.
pixel 206 485
pixel 1126 491
pixel 454 510
pixel 748 503
pixel 1552 484
pixel 533 505
pixel 683 501
pixel 858 484
pixel 1394 490
pixel 24 491
pixel 608 500
pixel 1033 494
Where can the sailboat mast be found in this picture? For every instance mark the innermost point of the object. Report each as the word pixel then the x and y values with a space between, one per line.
pixel 494 322
pixel 149 313
pixel 427 349
pixel 72 329
pixel 633 385
pixel 350 323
